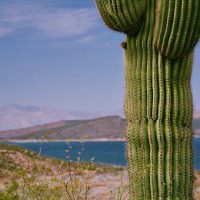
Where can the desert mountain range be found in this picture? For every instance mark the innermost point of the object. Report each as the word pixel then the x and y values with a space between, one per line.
pixel 30 122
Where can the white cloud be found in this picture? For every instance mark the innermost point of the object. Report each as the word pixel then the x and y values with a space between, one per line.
pixel 45 21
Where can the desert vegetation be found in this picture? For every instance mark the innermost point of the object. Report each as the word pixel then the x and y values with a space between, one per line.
pixel 26 175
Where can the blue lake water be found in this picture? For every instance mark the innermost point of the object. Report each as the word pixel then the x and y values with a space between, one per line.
pixel 104 152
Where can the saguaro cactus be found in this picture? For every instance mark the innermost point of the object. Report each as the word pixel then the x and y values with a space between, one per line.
pixel 161 36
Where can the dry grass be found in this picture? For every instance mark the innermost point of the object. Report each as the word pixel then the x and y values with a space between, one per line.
pixel 25 175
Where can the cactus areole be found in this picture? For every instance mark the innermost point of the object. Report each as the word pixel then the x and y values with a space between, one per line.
pixel 161 36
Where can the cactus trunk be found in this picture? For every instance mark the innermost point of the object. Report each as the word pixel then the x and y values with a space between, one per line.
pixel 158 108
pixel 161 36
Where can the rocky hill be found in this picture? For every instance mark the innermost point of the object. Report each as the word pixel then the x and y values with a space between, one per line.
pixel 112 127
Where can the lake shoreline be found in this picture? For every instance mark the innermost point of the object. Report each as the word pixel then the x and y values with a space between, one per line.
pixel 73 140
pixel 101 150
pixel 69 140
pixel 104 178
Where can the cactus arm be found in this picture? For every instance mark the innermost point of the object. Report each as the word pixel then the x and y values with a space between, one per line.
pixel 107 18
pixel 123 16
pixel 177 27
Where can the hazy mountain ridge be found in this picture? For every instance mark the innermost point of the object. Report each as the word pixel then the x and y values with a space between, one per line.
pixel 16 116
pixel 112 127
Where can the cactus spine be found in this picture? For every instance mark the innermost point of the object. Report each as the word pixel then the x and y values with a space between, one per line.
pixel 161 36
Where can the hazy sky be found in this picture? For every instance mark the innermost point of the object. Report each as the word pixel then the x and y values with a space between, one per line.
pixel 59 54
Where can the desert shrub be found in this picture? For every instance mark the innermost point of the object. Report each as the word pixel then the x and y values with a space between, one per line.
pixel 11 192
pixel 50 179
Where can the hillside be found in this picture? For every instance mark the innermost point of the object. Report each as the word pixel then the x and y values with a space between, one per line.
pixel 105 127
pixel 32 122
pixel 16 116
pixel 24 174
pixel 111 127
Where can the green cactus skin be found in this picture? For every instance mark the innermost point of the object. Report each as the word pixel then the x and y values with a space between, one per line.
pixel 177 27
pixel 161 36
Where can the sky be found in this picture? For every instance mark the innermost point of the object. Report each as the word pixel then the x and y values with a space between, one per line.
pixel 59 54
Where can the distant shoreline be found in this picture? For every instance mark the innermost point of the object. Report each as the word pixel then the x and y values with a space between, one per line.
pixel 70 140
pixel 74 140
